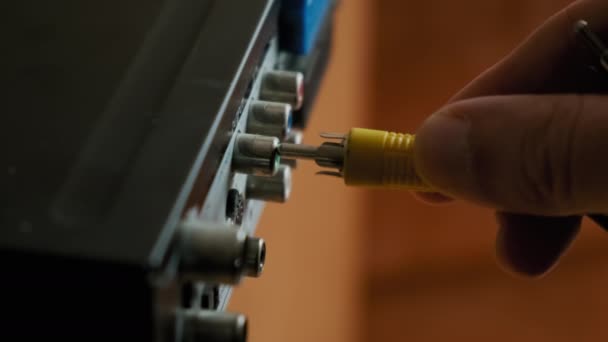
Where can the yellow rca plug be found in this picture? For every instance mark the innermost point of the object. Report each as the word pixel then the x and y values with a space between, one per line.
pixel 381 159
pixel 365 157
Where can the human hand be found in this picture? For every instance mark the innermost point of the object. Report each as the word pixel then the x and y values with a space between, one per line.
pixel 529 138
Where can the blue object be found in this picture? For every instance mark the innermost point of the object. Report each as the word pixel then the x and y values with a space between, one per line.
pixel 300 23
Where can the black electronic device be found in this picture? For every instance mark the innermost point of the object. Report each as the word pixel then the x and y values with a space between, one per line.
pixel 138 145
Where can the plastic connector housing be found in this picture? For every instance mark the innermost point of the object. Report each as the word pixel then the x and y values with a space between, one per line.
pixel 381 159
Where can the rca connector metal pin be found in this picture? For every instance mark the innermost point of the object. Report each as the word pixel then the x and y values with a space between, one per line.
pixel 364 157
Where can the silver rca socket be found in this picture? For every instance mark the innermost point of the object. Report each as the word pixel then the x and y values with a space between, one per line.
pixel 283 86
pixel 218 253
pixel 213 326
pixel 275 188
pixel 294 137
pixel 269 118
pixel 256 154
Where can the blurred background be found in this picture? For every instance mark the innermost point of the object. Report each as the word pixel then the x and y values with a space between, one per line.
pixel 359 265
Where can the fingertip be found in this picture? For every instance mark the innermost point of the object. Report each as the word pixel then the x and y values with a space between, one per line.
pixel 432 198
pixel 531 246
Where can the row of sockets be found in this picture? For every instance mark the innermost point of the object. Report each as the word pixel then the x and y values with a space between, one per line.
pixel 220 254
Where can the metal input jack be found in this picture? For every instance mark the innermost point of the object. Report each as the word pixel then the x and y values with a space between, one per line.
pixel 283 86
pixel 276 188
pixel 212 326
pixel 256 154
pixel 270 119
pixel 217 253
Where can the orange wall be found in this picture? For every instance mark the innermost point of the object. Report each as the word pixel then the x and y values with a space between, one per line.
pixel 311 287
pixel 431 273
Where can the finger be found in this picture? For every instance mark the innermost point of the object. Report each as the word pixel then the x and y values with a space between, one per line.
pixel 433 198
pixel 532 245
pixel 552 60
pixel 534 154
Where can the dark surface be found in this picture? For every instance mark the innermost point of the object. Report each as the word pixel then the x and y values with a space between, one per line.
pixel 112 114
pixel 56 299
pixel 111 123
pixel 601 220
pixel 61 63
